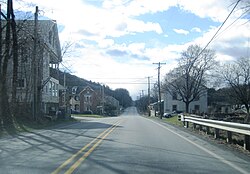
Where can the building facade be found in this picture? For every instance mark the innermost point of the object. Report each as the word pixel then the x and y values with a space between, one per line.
pixel 39 52
pixel 86 99
pixel 173 104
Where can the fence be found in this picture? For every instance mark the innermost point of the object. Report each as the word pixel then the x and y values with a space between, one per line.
pixel 229 127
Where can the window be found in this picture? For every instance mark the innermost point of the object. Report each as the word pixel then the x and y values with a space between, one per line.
pixel 174 108
pixel 74 89
pixel 50 88
pixel 46 89
pixel 53 89
pixel 76 98
pixel 56 92
pixel 174 96
pixel 77 107
pixel 20 83
pixel 197 107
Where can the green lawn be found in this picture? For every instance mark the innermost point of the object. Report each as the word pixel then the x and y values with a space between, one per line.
pixel 173 120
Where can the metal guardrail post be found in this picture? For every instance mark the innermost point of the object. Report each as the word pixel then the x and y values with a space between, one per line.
pixel 229 137
pixel 216 133
pixel 229 127
pixel 207 130
pixel 247 142
pixel 194 126
pixel 200 127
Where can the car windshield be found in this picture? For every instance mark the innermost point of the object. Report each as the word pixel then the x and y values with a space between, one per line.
pixel 124 86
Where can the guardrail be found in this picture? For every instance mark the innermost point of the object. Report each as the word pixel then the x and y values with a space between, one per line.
pixel 220 125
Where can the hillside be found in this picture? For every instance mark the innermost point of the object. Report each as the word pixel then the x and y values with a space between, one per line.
pixel 121 95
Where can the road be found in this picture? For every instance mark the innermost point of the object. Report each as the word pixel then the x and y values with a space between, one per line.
pixel 125 144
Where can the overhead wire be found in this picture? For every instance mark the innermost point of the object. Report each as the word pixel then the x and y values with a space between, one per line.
pixel 219 28
pixel 229 26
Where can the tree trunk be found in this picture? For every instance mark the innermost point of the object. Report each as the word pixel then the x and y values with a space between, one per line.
pixel 6 116
pixel 187 107
pixel 1 57
pixel 15 62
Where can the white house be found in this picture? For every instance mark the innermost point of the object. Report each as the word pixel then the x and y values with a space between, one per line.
pixel 172 103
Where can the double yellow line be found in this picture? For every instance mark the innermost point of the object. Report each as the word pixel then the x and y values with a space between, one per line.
pixel 95 143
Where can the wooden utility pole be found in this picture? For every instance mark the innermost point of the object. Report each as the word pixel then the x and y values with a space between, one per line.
pixel 148 96
pixel 1 41
pixel 159 88
pixel 142 93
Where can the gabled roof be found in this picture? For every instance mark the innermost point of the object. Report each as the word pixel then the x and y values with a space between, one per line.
pixel 47 30
pixel 87 88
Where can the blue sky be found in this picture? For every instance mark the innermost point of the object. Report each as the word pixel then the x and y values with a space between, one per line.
pixel 117 41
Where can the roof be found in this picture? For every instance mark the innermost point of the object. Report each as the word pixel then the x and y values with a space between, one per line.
pixel 47 32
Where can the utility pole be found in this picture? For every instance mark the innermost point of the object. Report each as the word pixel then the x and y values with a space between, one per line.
pixel 1 41
pixel 159 88
pixel 103 99
pixel 34 69
pixel 142 93
pixel 148 96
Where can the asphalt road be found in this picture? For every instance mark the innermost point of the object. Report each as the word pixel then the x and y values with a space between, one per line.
pixel 125 144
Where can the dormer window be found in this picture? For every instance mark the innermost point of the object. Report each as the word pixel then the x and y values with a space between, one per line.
pixel 74 89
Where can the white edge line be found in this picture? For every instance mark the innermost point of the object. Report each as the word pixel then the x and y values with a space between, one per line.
pixel 204 149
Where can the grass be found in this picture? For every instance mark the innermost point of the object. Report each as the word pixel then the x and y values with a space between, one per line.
pixel 173 120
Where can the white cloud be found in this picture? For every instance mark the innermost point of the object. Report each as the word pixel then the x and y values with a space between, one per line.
pixel 105 43
pixel 138 7
pixel 96 29
pixel 136 48
pixel 181 31
pixel 214 9
pixel 196 29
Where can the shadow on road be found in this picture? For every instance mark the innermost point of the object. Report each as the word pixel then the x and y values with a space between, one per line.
pixel 58 138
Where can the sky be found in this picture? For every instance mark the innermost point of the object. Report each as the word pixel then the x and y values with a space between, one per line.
pixel 117 42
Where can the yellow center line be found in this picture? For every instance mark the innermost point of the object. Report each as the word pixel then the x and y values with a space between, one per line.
pixel 81 150
pixel 80 160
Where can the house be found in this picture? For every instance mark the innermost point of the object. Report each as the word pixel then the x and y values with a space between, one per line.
pixel 92 99
pixel 111 105
pixel 172 103
pixel 84 99
pixel 36 84
pixel 75 99
pixel 89 100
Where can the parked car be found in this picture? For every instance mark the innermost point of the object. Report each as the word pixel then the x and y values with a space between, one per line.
pixel 167 115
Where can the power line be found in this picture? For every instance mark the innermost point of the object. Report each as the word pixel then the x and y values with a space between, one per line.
pixel 219 28
pixel 242 15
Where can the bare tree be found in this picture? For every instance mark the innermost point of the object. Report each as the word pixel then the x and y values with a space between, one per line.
pixel 245 5
pixel 9 64
pixel 188 80
pixel 15 59
pixel 6 117
pixel 237 77
pixel 67 48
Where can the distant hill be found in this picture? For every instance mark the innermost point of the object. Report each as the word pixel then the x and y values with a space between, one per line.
pixel 71 80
